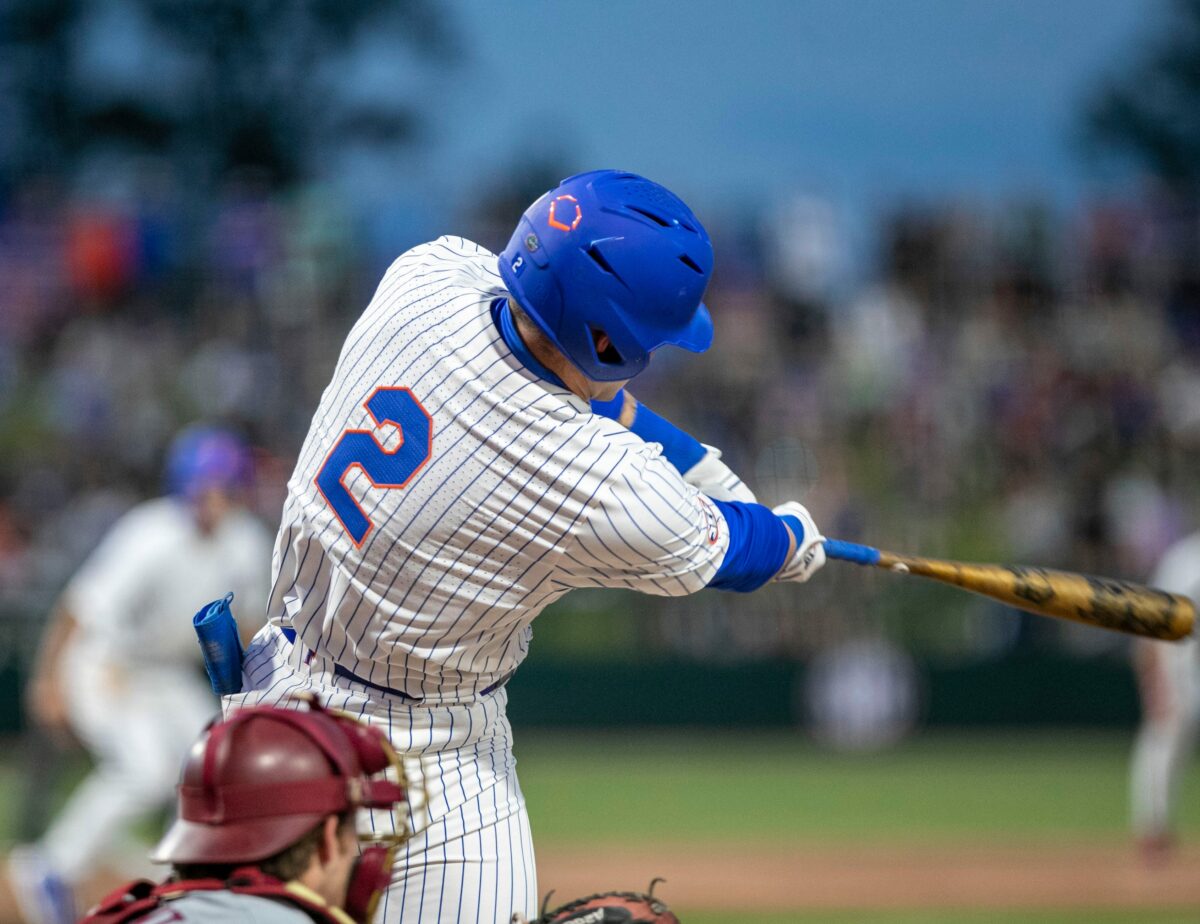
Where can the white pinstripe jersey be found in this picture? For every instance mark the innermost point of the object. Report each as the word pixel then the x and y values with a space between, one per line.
pixel 507 492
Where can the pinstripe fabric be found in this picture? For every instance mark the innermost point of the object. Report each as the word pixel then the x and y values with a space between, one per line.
pixel 525 496
pixel 472 858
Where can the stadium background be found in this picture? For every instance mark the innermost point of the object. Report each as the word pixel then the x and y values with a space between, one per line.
pixel 957 302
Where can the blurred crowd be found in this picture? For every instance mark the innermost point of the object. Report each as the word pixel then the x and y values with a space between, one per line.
pixel 1002 383
pixel 122 320
pixel 991 382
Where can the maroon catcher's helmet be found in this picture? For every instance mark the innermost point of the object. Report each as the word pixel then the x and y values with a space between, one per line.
pixel 260 780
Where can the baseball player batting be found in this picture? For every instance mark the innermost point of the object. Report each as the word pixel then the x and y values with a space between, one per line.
pixel 118 665
pixel 476 458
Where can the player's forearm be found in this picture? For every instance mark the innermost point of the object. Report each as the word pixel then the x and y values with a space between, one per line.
pixel 63 626
pixel 760 544
pixel 783 544
pixel 44 694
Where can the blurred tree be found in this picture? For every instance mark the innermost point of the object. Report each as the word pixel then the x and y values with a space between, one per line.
pixel 1151 111
pixel 213 85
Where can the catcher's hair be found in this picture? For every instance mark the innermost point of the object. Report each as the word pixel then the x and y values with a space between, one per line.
pixel 285 866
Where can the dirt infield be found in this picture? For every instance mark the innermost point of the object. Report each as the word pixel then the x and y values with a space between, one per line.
pixel 881 877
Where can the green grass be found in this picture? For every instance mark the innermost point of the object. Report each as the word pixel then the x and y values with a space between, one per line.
pixel 9 777
pixel 779 787
pixel 776 788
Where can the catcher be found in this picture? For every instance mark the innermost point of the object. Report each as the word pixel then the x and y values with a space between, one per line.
pixel 266 825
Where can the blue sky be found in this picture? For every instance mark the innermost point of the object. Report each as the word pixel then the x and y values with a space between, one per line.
pixel 857 100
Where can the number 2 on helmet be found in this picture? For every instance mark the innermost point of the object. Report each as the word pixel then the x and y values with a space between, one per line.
pixel 385 468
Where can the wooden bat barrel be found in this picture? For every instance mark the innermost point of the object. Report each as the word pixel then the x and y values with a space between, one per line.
pixel 1094 601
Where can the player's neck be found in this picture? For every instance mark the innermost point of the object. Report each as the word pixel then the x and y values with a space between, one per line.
pixel 548 355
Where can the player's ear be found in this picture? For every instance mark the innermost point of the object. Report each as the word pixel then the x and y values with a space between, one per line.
pixel 329 843
pixel 604 347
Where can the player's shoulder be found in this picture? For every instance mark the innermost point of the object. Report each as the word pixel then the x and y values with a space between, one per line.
pixel 142 532
pixel 447 253
pixel 1187 548
pixel 158 514
pixel 219 905
pixel 430 270
pixel 626 461
pixel 1180 565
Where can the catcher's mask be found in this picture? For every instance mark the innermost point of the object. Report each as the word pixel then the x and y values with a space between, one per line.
pixel 257 782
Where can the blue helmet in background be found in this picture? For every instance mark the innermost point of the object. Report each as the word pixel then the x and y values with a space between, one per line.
pixel 202 458
pixel 614 253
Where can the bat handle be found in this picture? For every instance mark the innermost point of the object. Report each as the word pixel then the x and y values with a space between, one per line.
pixel 851 551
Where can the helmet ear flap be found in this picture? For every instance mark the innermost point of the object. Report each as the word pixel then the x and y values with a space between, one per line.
pixel 623 353
pixel 370 746
pixel 375 754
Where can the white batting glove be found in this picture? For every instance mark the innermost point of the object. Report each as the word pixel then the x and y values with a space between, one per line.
pixel 716 479
pixel 810 549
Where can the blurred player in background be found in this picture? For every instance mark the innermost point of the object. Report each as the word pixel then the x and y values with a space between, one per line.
pixel 1169 681
pixel 474 459
pixel 118 667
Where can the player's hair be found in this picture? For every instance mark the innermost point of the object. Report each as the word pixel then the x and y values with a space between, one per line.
pixel 285 866
pixel 526 324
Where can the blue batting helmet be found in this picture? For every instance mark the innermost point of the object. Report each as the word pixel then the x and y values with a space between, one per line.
pixel 614 253
pixel 202 457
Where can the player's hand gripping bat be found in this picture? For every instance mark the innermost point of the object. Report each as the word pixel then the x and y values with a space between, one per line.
pixel 1103 602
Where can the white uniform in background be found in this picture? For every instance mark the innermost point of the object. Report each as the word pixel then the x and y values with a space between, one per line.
pixel 136 691
pixel 1171 705
pixel 444 496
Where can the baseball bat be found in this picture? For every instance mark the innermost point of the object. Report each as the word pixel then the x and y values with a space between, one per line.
pixel 1093 601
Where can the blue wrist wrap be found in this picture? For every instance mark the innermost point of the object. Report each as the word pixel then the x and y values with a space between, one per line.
pixel 758 545
pixel 796 526
pixel 681 449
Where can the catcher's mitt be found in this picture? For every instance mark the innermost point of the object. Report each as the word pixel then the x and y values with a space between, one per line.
pixel 611 908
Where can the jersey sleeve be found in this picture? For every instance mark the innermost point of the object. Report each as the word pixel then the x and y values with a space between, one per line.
pixel 112 581
pixel 679 448
pixel 646 529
